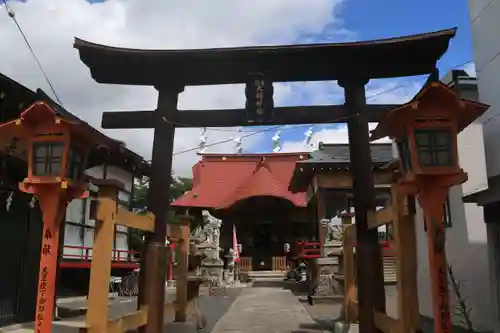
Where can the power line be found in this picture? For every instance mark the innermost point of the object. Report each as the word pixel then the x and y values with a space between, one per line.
pixel 12 15
pixel 405 85
pixel 258 132
pixel 229 140
pixel 305 125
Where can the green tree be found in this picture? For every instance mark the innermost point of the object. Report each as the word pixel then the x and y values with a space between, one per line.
pixel 139 201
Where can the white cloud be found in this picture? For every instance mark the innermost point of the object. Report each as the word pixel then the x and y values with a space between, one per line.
pixel 51 25
pixel 337 134
pixel 377 92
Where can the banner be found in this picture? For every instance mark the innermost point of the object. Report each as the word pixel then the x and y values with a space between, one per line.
pixel 235 246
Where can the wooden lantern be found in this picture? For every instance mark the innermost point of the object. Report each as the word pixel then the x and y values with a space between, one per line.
pixel 56 154
pixel 57 148
pixel 425 130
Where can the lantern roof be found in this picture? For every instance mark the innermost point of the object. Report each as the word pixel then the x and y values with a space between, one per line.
pixel 466 111
pixel 41 113
pixel 15 98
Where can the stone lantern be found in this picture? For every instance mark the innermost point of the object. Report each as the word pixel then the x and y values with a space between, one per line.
pixel 56 154
pixel 425 130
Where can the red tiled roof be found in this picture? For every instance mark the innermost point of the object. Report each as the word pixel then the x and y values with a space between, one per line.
pixel 219 181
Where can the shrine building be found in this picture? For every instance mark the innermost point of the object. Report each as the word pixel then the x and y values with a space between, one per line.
pixel 274 199
pixel 251 192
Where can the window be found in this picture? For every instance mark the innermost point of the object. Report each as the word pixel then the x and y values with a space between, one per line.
pixel 121 231
pixel 47 158
pixel 434 147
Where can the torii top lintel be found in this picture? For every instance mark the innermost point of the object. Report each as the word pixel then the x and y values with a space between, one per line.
pixel 393 57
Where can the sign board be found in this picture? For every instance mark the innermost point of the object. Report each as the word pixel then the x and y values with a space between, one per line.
pixel 259 93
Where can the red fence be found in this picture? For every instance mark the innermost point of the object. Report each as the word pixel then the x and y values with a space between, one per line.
pixel 82 259
pixel 312 250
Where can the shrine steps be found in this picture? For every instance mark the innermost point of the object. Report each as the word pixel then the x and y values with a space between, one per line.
pixel 390 275
pixel 257 276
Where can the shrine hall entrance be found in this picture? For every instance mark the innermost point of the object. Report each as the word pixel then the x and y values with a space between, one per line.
pixel 263 243
pixel 263 247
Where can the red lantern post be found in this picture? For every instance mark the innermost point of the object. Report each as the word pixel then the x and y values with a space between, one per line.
pixel 425 130
pixel 56 153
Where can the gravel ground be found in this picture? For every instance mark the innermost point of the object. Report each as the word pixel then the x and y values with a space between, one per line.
pixel 212 307
pixel 324 312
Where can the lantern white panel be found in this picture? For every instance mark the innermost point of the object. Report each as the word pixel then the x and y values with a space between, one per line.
pixel 382 228
pixel 96 172
pixel 88 220
pixel 121 245
pixel 74 211
pixel 88 240
pixel 121 228
pixel 123 197
pixel 124 177
pixel 72 242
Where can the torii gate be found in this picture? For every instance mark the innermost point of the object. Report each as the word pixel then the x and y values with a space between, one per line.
pixel 351 64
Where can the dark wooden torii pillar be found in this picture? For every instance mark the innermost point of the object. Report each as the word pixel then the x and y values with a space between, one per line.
pixel 154 253
pixel 370 271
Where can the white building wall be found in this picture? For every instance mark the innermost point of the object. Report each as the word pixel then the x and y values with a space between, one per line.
pixel 78 212
pixel 485 25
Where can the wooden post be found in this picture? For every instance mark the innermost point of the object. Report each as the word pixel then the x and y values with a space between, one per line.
pixel 349 272
pixel 371 290
pixel 152 278
pixel 406 263
pixel 102 255
pixel 182 271
pixel 53 207
pixel 432 199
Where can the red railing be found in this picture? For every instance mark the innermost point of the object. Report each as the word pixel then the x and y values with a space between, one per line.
pixel 312 250
pixel 245 264
pixel 309 250
pixel 121 258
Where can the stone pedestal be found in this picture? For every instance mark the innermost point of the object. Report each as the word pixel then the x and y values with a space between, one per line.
pixel 211 265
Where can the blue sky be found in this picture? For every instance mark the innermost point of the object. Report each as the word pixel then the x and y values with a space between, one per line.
pixel 142 24
pixel 368 19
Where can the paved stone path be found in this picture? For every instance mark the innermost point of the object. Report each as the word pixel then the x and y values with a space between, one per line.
pixel 265 310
